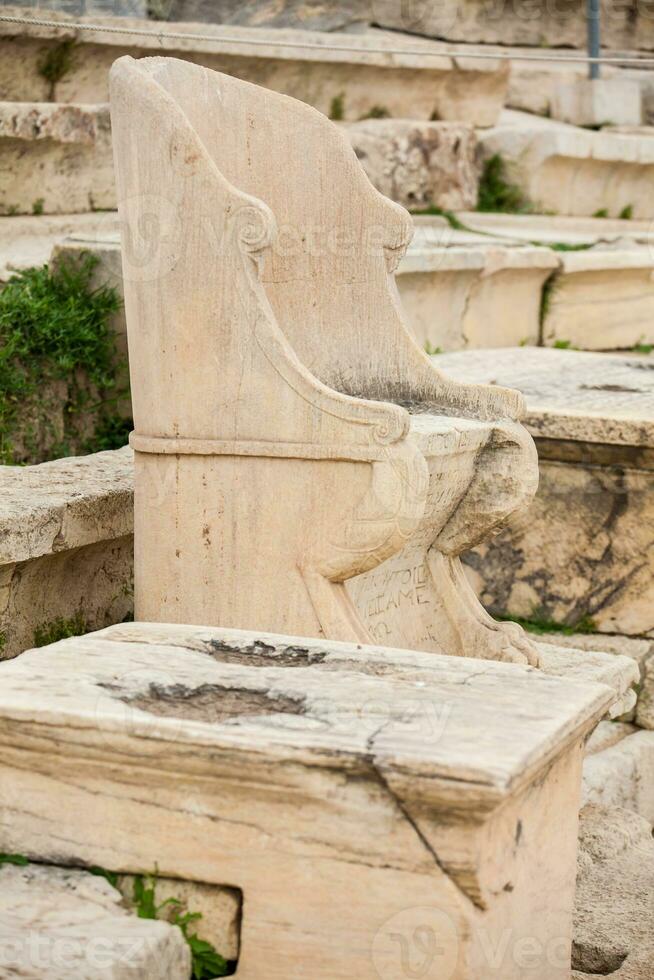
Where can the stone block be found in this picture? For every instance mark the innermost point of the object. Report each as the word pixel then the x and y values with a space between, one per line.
pixel 541 25
pixel 574 171
pixel 602 299
pixel 623 775
pixel 347 84
pixel 59 924
pixel 66 546
pixel 55 158
pixel 28 240
pixel 416 784
pixel 583 549
pixel 457 296
pixel 597 102
pixel 419 165
pixel 614 921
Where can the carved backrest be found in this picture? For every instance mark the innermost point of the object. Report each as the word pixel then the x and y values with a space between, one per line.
pixel 328 270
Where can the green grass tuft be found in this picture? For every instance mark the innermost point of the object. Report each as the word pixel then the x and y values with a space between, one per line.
pixel 337 108
pixel 538 625
pixel 627 212
pixel 377 112
pixel 496 193
pixel 60 629
pixel 601 213
pixel 56 63
pixel 18 859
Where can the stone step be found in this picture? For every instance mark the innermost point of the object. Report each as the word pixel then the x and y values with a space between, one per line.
pixel 62 153
pixel 60 923
pixel 27 240
pixel 551 228
pixel 456 288
pixel 55 158
pixel 347 85
pixel 583 552
pixel 571 170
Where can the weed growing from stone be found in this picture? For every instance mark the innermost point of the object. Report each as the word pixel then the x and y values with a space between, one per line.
pixel 18 859
pixel 60 629
pixel 337 108
pixel 496 193
pixel 59 376
pixel 37 206
pixel 538 625
pixel 206 961
pixel 56 63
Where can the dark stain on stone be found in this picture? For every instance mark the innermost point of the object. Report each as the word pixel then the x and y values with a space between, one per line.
pixel 260 654
pixel 634 391
pixel 211 702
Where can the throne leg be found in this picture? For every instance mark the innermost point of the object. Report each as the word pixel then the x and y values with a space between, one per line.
pixel 420 598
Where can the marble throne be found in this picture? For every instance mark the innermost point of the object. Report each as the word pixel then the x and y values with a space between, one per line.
pixel 301 464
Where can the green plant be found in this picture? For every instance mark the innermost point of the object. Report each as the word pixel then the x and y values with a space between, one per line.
pixel 111 432
pixel 641 348
pixel 627 212
pixel 207 963
pixel 563 345
pixel 539 624
pixel 601 213
pixel 56 63
pixel 56 347
pixel 377 112
pixel 12 210
pixel 18 859
pixel 60 629
pixel 547 292
pixel 109 876
pixel 337 108
pixel 565 246
pixel 429 349
pixel 496 193
pixel 37 206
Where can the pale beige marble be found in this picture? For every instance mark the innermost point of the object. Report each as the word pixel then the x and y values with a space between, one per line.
pixel 55 158
pixel 290 434
pixel 410 86
pixel 60 923
pixel 614 919
pixel 302 771
pixel 573 171
pixel 583 549
pixel 65 545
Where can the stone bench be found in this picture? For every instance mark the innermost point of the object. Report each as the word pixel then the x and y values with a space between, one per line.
pixel 55 158
pixel 348 84
pixel 65 547
pixel 571 170
pixel 435 793
pixel 583 551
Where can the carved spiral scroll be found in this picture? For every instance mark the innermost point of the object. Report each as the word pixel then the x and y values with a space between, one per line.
pixel 253 227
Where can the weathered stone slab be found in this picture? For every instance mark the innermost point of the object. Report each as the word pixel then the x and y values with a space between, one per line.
pixel 59 924
pixel 554 228
pixel 457 297
pixel 598 101
pixel 614 918
pixel 583 549
pixel 348 84
pixel 55 158
pixel 27 240
pixel 542 25
pixel 424 784
pixel 623 775
pixel 602 299
pixel 419 165
pixel 65 546
pixel 641 651
pixel 571 170
pixel 314 15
